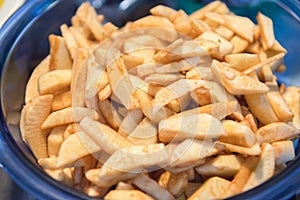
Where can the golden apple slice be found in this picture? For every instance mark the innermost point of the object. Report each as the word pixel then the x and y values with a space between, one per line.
pixel 68 116
pixel 75 147
pixel 276 131
pixel 130 121
pixel 144 133
pixel 33 115
pixel 177 90
pixel 238 134
pixel 69 40
pixel 55 140
pixel 284 152
pixel 223 166
pixel 266 30
pixel 213 188
pixel 264 169
pixel 151 187
pixel 255 150
pixel 131 160
pixel 192 151
pixel 54 81
pixel 79 76
pixel 235 82
pixel 61 101
pixel 127 194
pixel 152 22
pixel 242 61
pixel 279 106
pixel 198 126
pixel 241 178
pixel 242 26
pixel 145 103
pixel 163 11
pixel 59 54
pixel 261 108
pixel 32 89
pixel 107 138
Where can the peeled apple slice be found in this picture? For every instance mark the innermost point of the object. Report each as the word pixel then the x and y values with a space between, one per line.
pixel 33 115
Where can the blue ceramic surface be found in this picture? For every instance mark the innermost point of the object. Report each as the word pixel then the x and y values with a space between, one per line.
pixel 24 43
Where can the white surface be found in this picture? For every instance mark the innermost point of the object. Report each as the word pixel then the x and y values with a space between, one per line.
pixel 8 8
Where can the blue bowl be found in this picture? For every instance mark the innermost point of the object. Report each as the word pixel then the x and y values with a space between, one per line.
pixel 24 43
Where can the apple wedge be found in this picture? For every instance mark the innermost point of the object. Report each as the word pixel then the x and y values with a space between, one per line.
pixel 265 167
pixel 198 126
pixel 33 115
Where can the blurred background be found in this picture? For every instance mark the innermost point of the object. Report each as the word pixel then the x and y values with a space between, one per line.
pixel 118 12
pixel 7 7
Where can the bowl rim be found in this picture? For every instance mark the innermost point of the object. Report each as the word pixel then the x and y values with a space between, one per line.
pixel 21 169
